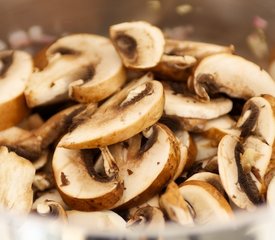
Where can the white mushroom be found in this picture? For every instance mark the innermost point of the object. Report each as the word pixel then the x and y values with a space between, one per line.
pixel 198 50
pixel 139 44
pixel 85 67
pixel 136 107
pixel 232 75
pixel 16 176
pixel 15 70
pixel 207 202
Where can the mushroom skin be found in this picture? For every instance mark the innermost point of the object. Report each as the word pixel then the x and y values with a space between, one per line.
pixel 232 75
pixel 17 67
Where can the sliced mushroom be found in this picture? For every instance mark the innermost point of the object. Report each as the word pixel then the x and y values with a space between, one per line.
pixel 138 106
pixel 207 202
pixel 97 221
pixel 52 209
pixel 174 67
pixel 85 67
pixel 206 147
pixel 32 122
pixel 16 176
pixel 15 70
pixel 270 194
pixel 80 185
pixel 10 135
pixel 189 107
pixel 232 75
pixel 175 207
pixel 158 152
pixel 149 218
pixel 199 50
pixel 139 44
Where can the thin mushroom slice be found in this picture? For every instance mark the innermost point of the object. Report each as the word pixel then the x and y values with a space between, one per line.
pixel 16 176
pixel 258 119
pixel 15 70
pixel 206 201
pixel 235 172
pixel 136 107
pixel 189 107
pixel 232 75
pixel 149 218
pixel 175 207
pixel 85 67
pixel 198 50
pixel 80 185
pixel 97 221
pixel 206 148
pixel 158 152
pixel 139 44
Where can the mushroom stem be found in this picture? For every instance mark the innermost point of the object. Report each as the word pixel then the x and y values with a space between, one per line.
pixel 110 165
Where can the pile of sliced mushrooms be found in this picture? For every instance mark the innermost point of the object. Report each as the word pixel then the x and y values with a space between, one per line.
pixel 140 131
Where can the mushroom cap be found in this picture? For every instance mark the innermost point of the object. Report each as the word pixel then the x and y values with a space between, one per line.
pixel 84 66
pixel 138 106
pixel 16 71
pixel 139 44
pixel 207 202
pixel 232 75
pixel 78 188
pixel 17 174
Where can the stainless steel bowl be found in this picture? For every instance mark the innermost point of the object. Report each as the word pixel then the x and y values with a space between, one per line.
pixel 216 21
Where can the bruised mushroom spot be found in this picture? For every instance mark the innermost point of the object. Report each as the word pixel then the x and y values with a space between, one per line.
pixel 130 172
pixel 244 179
pixel 251 121
pixel 147 143
pixel 6 59
pixel 148 90
pixel 88 157
pixel 171 122
pixel 127 46
pixel 65 51
pixel 64 180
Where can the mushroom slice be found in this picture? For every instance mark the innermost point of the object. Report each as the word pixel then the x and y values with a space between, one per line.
pixel 84 66
pixel 206 148
pixel 198 50
pixel 158 152
pixel 175 207
pixel 270 194
pixel 80 186
pixel 205 165
pixel 138 106
pixel 174 67
pixel 189 107
pixel 31 122
pixel 207 202
pixel 12 134
pixel 52 209
pixel 232 75
pixel 235 167
pixel 97 221
pixel 16 176
pixel 15 70
pixel 139 44
pixel 149 218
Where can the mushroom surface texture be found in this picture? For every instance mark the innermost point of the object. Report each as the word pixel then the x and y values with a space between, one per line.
pixel 85 67
pixel 139 44
pixel 137 106
pixel 15 70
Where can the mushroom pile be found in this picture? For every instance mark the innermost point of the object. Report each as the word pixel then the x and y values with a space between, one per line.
pixel 135 131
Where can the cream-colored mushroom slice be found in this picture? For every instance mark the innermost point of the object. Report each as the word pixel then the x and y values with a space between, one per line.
pixel 85 67
pixel 52 209
pixel 80 185
pixel 174 67
pixel 232 75
pixel 206 147
pixel 198 50
pixel 139 44
pixel 15 70
pixel 258 119
pixel 53 195
pixel 97 221
pixel 12 134
pixel 148 218
pixel 136 107
pixel 175 207
pixel 189 107
pixel 158 151
pixel 16 176
pixel 235 164
pixel 206 201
